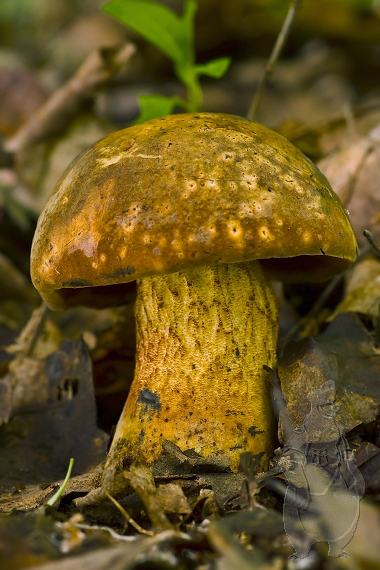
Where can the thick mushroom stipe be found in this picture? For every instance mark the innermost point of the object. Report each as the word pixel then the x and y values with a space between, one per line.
pixel 203 337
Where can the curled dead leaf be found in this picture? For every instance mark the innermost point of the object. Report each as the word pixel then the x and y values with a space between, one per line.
pixel 344 353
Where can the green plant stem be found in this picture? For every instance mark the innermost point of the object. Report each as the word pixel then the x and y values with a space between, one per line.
pixel 58 494
pixel 194 93
pixel 276 52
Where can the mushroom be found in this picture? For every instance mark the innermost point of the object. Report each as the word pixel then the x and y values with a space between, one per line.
pixel 202 210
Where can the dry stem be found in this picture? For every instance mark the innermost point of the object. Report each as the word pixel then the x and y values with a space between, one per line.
pixel 54 114
pixel 276 52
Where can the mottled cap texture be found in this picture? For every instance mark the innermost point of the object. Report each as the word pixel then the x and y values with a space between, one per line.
pixel 183 191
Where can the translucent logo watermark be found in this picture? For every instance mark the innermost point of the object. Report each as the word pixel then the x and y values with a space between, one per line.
pixel 324 486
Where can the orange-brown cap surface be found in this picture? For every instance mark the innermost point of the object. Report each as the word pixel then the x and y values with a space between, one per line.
pixel 182 191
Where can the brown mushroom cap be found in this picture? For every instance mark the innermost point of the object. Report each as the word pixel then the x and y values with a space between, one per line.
pixel 183 191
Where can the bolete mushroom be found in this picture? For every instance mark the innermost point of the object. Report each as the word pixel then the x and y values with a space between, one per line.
pixel 202 210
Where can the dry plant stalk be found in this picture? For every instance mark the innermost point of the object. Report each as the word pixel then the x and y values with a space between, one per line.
pixel 128 518
pixel 141 480
pixel 276 52
pixel 99 67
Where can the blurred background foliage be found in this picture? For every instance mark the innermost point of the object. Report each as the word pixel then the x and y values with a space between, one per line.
pixel 332 56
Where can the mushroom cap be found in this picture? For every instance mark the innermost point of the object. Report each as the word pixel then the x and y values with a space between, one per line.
pixel 182 191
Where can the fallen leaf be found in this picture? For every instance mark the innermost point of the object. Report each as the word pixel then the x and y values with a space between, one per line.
pixel 362 290
pixel 344 353
pixel 21 93
pixel 52 417
pixel 354 174
pixel 368 460
pixel 364 548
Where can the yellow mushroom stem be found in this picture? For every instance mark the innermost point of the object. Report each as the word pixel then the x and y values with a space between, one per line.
pixel 202 338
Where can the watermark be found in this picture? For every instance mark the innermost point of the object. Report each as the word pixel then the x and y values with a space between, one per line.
pixel 324 486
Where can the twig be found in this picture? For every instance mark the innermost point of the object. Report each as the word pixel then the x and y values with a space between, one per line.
pixel 30 333
pixel 371 240
pixel 334 283
pixel 276 52
pixel 279 403
pixel 328 290
pixel 354 178
pixel 118 557
pixel 141 480
pixel 53 115
pixel 128 518
pixel 110 531
pixel 333 120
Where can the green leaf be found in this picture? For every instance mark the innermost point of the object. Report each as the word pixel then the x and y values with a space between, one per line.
pixel 214 68
pixel 157 24
pixel 154 106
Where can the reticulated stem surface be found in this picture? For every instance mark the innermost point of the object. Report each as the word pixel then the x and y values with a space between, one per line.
pixel 203 337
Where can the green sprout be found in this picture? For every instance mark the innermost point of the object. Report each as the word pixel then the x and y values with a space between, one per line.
pixel 174 36
pixel 59 493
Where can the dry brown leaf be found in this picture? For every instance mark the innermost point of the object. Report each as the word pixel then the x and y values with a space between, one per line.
pixel 364 548
pixel 344 353
pixel 367 459
pixel 362 290
pixel 140 478
pixel 354 174
pixel 21 93
pixel 52 417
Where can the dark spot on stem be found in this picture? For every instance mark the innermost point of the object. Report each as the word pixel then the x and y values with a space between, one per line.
pixel 141 437
pixel 149 398
pixel 254 431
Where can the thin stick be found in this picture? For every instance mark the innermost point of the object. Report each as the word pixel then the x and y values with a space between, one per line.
pixel 99 67
pixel 330 288
pixel 276 52
pixel 371 240
pixel 279 403
pixel 333 120
pixel 30 333
pixel 335 282
pixel 128 518
pixel 141 480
